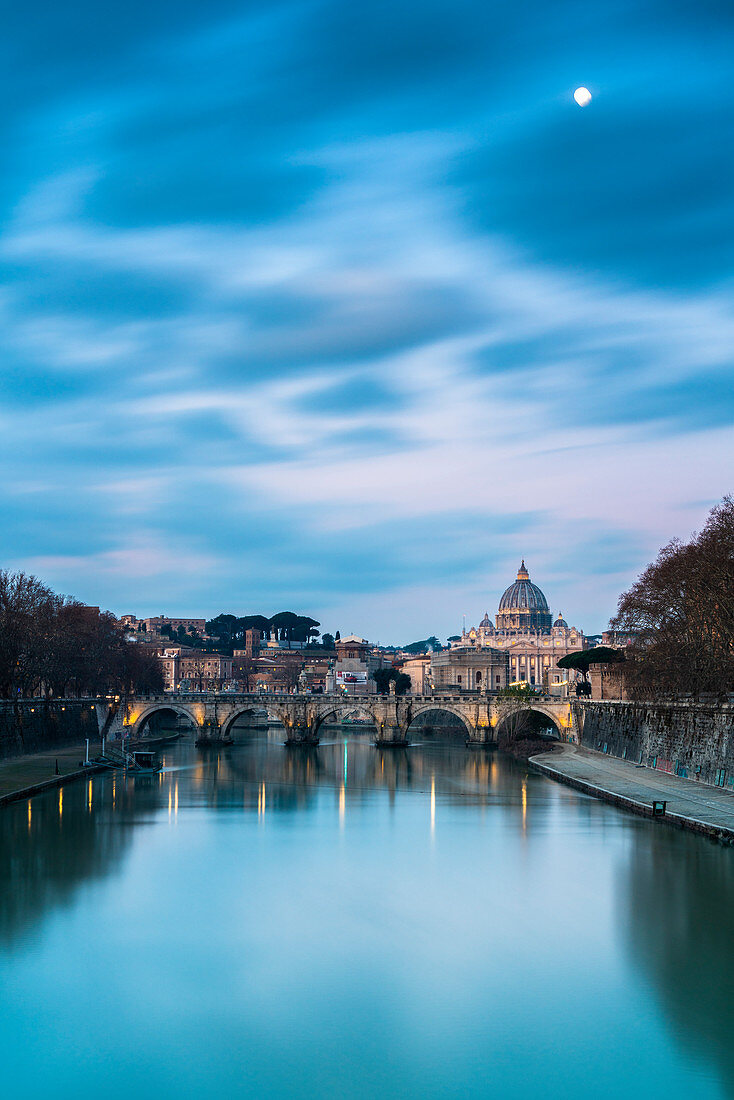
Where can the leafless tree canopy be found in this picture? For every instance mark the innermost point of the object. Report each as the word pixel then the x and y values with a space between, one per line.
pixel 681 611
pixel 54 645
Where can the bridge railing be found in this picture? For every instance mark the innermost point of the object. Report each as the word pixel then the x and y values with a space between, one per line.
pixel 264 697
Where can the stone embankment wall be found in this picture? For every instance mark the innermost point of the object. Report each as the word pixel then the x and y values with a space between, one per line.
pixel 687 739
pixel 32 724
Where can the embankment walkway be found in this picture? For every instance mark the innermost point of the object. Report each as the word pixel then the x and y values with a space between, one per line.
pixel 24 776
pixel 690 805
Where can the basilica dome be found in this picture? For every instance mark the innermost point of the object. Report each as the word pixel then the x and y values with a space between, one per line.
pixel 523 606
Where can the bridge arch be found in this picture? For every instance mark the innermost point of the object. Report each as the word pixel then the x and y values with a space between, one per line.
pixel 530 717
pixel 342 710
pixel 236 712
pixel 137 721
pixel 441 708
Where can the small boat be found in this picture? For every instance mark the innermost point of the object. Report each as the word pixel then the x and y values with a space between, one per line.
pixel 139 761
pixel 143 762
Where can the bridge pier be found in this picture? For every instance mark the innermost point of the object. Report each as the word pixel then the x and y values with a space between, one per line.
pixel 211 734
pixel 392 716
pixel 391 737
pixel 301 734
pixel 301 725
pixel 481 742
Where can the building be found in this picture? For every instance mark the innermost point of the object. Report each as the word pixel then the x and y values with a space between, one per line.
pixel 154 625
pixel 523 645
pixel 278 669
pixel 187 669
pixel 356 661
pixel 608 682
pixel 419 670
pixel 469 668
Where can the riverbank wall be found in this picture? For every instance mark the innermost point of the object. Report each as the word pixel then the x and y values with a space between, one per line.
pixel 31 725
pixel 691 740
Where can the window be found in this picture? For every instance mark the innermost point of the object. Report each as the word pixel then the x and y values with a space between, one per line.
pixel 458 679
pixel 497 681
pixel 479 677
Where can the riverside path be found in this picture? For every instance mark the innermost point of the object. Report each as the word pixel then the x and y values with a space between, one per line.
pixel 689 804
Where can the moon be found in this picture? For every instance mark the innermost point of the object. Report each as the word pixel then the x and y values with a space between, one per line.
pixel 582 96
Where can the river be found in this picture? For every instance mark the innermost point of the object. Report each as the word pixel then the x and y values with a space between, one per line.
pixel 350 923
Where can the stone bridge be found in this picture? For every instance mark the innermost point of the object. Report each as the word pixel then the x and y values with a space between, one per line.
pixel 302 716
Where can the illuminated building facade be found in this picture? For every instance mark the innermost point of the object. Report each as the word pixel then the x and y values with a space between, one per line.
pixel 524 637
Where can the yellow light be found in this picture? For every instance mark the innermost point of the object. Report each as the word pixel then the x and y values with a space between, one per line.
pixel 30 815
pixel 89 796
pixel 61 801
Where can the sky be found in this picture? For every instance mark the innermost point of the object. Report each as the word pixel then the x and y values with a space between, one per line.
pixel 346 308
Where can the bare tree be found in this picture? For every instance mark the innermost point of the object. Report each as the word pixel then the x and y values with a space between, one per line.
pixel 681 615
pixel 26 614
pixel 244 671
pixel 514 715
pixel 54 645
pixel 289 673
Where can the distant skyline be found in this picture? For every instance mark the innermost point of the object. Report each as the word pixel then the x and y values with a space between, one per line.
pixel 345 309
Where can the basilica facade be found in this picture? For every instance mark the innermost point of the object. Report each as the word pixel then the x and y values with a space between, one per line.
pixel 522 646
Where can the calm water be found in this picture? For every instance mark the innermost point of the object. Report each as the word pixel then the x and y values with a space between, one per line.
pixel 346 923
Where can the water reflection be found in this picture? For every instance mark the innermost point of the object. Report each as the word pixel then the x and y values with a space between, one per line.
pixel 55 842
pixel 481 887
pixel 679 914
pixel 52 844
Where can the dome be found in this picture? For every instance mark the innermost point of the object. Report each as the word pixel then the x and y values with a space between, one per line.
pixel 523 608
pixel 523 595
pixel 560 621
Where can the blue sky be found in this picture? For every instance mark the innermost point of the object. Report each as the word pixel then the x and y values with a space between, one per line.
pixel 346 308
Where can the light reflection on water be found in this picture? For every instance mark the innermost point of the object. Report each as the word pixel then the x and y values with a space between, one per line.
pixel 347 922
